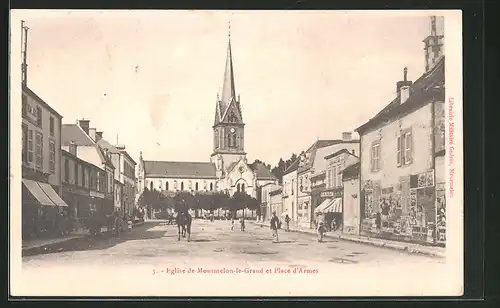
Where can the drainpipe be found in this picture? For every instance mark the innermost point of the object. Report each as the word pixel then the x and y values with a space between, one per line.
pixel 361 214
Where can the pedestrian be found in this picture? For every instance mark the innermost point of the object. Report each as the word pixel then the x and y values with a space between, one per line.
pixel 232 224
pixel 378 221
pixel 274 225
pixel 242 224
pixel 287 221
pixel 320 219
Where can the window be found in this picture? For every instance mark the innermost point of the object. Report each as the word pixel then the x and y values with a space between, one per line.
pixel 375 156
pixel 84 170
pixel 52 157
pixel 404 148
pixel 66 170
pixel 38 116
pixel 242 187
pixel 25 105
pixel 196 186
pixel 39 150
pixel 52 126
pixel 166 185
pixel 25 143
pixel 76 174
pixel 211 186
pixel 30 145
pixel 182 185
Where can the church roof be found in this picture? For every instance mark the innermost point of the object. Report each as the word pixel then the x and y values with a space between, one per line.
pixel 228 89
pixel 175 169
pixel 227 102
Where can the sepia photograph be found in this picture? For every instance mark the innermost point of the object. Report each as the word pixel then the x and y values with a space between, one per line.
pixel 236 153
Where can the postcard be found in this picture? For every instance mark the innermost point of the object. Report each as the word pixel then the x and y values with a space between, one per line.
pixel 236 153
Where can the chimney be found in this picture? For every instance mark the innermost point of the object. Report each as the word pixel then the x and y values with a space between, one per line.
pixel 403 83
pixel 72 147
pixel 84 124
pixel 120 147
pixel 346 136
pixel 98 136
pixel 92 134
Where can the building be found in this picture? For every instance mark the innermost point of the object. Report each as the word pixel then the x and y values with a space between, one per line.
pixel 276 202
pixel 290 189
pixel 81 188
pixel 77 138
pixel 124 174
pixel 312 164
pixel 329 196
pixel 41 163
pixel 228 169
pixel 402 183
pixel 127 177
pixel 266 209
pixel 351 209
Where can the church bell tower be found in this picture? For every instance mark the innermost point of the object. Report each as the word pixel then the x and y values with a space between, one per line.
pixel 228 128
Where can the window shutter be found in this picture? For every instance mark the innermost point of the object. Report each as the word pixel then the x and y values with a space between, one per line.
pixel 398 151
pixel 371 158
pixel 409 145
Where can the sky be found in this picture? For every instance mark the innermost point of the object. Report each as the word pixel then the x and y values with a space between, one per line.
pixel 150 79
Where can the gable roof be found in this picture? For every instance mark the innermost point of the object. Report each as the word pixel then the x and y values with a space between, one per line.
pixel 425 88
pixel 174 169
pixel 318 145
pixel 293 166
pixel 73 132
pixel 108 146
pixel 262 172
pixel 339 152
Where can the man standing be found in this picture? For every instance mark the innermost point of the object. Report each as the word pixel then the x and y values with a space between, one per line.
pixel 287 221
pixel 242 224
pixel 274 225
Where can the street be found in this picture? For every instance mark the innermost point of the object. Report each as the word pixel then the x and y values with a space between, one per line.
pixel 215 250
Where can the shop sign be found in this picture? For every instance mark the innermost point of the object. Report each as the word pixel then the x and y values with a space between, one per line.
pixel 96 194
pixel 331 194
pixel 77 191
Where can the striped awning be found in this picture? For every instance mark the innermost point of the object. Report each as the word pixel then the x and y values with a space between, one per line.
pixel 49 191
pixel 335 206
pixel 323 205
pixel 37 192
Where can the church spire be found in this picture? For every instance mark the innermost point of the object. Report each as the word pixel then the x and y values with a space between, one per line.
pixel 228 89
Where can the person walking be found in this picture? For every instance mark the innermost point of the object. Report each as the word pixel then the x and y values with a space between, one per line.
pixel 274 225
pixel 242 224
pixel 287 221
pixel 320 223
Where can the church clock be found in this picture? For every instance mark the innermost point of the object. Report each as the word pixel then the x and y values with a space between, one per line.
pixel 232 130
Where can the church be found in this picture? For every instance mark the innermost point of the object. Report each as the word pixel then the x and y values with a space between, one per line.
pixel 227 169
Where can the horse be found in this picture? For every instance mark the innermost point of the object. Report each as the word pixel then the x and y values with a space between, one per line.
pixel 183 221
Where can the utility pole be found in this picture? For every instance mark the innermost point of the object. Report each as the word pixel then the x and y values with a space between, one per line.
pixel 24 52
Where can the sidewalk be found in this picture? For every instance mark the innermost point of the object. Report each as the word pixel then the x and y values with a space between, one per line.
pixel 409 247
pixel 36 243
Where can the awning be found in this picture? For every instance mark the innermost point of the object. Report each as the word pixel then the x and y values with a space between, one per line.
pixel 52 194
pixel 37 192
pixel 322 206
pixel 335 206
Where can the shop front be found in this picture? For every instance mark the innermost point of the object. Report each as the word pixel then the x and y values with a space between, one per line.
pixel 405 211
pixel 331 206
pixel 41 209
pixel 79 201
